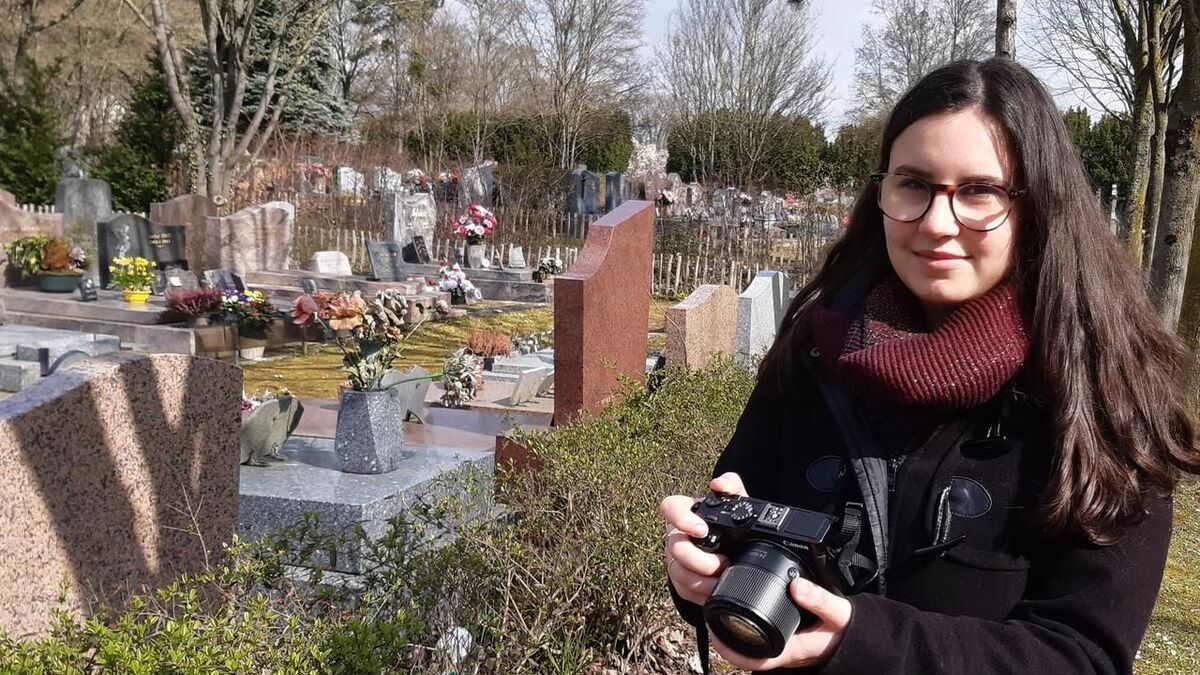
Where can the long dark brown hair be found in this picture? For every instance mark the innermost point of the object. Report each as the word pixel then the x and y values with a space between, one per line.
pixel 1114 379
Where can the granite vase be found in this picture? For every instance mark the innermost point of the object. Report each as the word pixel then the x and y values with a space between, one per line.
pixel 370 432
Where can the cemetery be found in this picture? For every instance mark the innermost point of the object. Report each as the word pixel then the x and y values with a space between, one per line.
pixel 360 347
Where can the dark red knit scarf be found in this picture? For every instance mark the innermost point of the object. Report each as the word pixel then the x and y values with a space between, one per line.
pixel 873 339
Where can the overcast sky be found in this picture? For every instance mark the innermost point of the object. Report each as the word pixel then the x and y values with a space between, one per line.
pixel 838 31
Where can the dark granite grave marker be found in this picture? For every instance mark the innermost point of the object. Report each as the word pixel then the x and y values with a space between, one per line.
pixel 617 189
pixel 585 190
pixel 129 235
pixel 386 258
pixel 174 279
pixel 224 279
pixel 417 251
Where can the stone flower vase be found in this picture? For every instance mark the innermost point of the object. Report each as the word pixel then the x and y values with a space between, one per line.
pixel 475 255
pixel 370 432
pixel 252 344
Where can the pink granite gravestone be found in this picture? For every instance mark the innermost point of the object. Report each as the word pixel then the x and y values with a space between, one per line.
pixel 601 311
pixel 189 210
pixel 253 239
pixel 702 326
pixel 119 472
pixel 7 197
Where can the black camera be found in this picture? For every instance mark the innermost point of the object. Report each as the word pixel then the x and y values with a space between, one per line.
pixel 768 545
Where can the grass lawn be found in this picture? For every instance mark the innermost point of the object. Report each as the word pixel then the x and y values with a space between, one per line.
pixel 1172 643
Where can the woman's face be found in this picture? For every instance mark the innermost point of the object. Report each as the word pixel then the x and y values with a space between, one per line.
pixel 943 263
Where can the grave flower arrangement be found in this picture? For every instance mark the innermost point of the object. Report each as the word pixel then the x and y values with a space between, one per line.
pixel 417 180
pixel 475 224
pixel 195 303
pixel 131 274
pixel 457 283
pixel 370 333
pixel 549 266
pixel 250 310
pixel 462 377
pixel 38 254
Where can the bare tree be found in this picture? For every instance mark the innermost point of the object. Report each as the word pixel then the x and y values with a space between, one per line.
pixel 489 64
pixel 583 54
pixel 363 30
pixel 1181 185
pixel 916 36
pixel 32 18
pixel 1006 28
pixel 1122 56
pixel 744 60
pixel 229 48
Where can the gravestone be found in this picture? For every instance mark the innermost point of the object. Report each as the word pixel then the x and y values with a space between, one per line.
pixel 7 198
pixel 409 215
pixel 547 384
pixel 186 210
pixel 419 250
pixel 516 258
pixel 225 280
pixel 615 262
pixel 174 279
pixel 477 183
pixel 758 316
pixel 254 239
pixel 105 466
pixel 350 182
pixel 387 180
pixel 526 386
pixel 330 262
pixel 617 189
pixel 387 263
pixel 585 189
pixel 702 326
pixel 82 202
pixel 130 235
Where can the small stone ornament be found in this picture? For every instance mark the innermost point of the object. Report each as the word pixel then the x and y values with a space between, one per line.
pixel 309 286
pixel 87 290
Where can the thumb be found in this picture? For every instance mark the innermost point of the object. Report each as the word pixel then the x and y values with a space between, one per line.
pixel 831 609
pixel 729 483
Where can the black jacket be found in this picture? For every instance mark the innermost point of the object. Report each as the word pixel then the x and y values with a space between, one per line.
pixel 976 592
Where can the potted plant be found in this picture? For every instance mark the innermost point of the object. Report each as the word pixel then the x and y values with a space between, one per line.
pixel 253 314
pixel 371 334
pixel 195 305
pixel 548 268
pixel 53 263
pixel 457 283
pixel 134 276
pixel 473 226
pixel 488 344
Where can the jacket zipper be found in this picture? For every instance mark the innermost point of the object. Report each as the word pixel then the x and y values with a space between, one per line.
pixel 894 468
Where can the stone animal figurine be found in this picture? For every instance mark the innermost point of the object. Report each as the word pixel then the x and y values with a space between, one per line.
pixel 266 428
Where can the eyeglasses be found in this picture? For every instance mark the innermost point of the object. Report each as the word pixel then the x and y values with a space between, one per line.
pixel 976 206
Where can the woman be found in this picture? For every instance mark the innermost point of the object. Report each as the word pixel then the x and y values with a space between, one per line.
pixel 1024 409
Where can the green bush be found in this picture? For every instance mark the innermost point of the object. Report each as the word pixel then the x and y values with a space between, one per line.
pixel 29 135
pixel 573 578
pixel 135 183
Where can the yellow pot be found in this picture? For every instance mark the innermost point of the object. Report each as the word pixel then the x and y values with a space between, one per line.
pixel 136 297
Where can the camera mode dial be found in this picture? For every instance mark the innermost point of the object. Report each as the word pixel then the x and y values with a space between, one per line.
pixel 742 513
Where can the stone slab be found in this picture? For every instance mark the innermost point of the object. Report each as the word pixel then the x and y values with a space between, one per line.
pixel 526 386
pixel 333 263
pixel 90 344
pixel 108 307
pixel 255 238
pixel 601 311
pixel 702 326
pixel 759 312
pixel 309 480
pixel 107 468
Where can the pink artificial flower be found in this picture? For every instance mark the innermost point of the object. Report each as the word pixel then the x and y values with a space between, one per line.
pixel 304 308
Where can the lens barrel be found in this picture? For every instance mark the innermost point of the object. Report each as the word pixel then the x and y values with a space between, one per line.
pixel 751 610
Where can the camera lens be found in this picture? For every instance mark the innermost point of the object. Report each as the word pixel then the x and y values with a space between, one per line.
pixel 750 610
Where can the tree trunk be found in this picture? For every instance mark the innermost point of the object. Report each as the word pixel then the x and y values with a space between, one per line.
pixel 1181 184
pixel 1158 166
pixel 1006 28
pixel 1189 315
pixel 1143 132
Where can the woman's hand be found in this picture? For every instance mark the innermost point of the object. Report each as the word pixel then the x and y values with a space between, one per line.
pixel 809 647
pixel 693 573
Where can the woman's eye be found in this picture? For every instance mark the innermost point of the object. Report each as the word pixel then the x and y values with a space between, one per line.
pixel 979 191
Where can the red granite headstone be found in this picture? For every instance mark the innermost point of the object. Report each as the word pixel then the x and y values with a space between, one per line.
pixel 253 239
pixel 601 311
pixel 189 210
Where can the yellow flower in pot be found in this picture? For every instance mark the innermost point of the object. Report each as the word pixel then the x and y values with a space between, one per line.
pixel 133 275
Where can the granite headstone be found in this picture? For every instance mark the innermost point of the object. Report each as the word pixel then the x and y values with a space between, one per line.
pixel 330 262
pixel 386 260
pixel 585 189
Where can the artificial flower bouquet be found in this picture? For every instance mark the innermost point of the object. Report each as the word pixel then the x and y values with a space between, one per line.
pixel 475 224
pixel 369 332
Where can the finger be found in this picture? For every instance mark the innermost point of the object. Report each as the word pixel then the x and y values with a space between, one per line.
pixel 677 511
pixel 832 610
pixel 729 483
pixel 694 588
pixel 681 549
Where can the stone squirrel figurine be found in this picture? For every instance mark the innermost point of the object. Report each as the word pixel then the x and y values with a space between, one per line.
pixel 265 430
